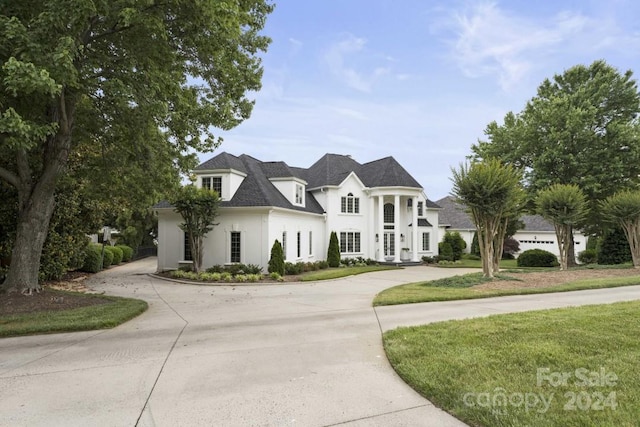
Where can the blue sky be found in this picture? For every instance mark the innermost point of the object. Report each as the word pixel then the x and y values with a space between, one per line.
pixel 416 80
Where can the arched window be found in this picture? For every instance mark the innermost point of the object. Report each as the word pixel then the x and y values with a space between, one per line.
pixel 389 213
pixel 350 204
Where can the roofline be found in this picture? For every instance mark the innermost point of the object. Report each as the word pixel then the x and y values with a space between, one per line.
pixel 228 170
pixel 288 178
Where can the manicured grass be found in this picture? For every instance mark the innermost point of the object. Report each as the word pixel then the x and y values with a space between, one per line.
pixel 336 273
pixel 469 367
pixel 427 291
pixel 103 316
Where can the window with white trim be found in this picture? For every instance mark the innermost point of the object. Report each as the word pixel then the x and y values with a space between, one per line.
pixel 235 246
pixel 426 241
pixel 187 248
pixel 284 245
pixel 299 195
pixel 350 204
pixel 212 183
pixel 349 242
pixel 299 244
pixel 420 208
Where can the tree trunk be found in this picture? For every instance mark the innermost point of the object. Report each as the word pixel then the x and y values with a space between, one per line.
pixel 571 251
pixel 32 230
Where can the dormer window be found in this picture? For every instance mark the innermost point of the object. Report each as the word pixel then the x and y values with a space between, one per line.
pixel 350 204
pixel 212 183
pixel 299 195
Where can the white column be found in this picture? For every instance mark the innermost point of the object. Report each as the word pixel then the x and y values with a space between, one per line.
pixel 414 238
pixel 380 229
pixel 396 226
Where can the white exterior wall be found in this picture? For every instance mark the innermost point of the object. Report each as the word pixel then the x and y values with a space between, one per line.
pixel 291 222
pixel 235 179
pixel 345 222
pixel 170 240
pixel 287 186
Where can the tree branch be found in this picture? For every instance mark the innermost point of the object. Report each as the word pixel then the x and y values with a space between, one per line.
pixel 9 176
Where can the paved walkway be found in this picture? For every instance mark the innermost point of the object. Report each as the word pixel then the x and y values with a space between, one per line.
pixel 266 355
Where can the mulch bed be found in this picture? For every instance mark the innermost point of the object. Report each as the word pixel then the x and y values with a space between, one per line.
pixel 50 299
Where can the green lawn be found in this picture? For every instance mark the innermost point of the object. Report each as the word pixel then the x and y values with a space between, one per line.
pixel 584 361
pixel 461 287
pixel 336 273
pixel 472 263
pixel 103 316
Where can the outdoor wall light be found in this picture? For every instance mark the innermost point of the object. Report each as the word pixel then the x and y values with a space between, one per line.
pixel 376 237
pixel 402 237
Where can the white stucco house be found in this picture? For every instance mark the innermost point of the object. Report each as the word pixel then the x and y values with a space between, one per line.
pixel 377 209
pixel 538 233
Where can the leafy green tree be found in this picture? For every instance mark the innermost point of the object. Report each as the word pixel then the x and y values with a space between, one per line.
pixel 623 210
pixel 276 262
pixel 103 71
pixel 333 253
pixel 457 243
pixel 565 206
pixel 198 208
pixel 493 195
pixel 581 128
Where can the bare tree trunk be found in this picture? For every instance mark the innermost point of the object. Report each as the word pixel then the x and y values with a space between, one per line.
pixel 632 231
pixel 571 252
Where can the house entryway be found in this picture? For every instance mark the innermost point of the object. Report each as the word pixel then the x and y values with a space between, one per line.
pixel 389 244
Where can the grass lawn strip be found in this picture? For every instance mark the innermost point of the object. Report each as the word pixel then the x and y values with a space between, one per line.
pixel 429 292
pixel 499 370
pixel 336 273
pixel 113 312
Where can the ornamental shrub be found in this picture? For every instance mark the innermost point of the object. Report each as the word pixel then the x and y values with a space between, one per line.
pixel 276 262
pixel 537 258
pixel 117 254
pixel 107 256
pixel 588 256
pixel 333 253
pixel 457 243
pixel 613 248
pixel 92 259
pixel 445 251
pixel 127 252
pixel 475 245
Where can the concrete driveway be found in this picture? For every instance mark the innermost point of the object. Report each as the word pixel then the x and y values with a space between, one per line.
pixel 267 355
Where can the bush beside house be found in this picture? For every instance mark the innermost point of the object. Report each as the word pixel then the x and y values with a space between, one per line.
pixel 537 258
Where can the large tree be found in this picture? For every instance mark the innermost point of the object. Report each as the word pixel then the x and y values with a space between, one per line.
pixel 565 206
pixel 581 128
pixel 493 196
pixel 115 72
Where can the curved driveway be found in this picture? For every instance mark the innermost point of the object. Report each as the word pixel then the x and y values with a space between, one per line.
pixel 266 355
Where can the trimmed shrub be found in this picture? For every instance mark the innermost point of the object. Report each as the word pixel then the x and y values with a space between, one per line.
pixel 475 245
pixel 429 260
pixel 107 257
pixel 445 251
pixel 588 256
pixel 293 269
pixel 276 262
pixel 333 253
pixel 457 244
pixel 613 248
pixel 127 252
pixel 117 254
pixel 537 258
pixel 92 259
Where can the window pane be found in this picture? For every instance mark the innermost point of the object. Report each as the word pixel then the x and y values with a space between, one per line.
pixel 284 245
pixel 356 239
pixel 356 205
pixel 425 242
pixel 206 183
pixel 310 243
pixel 299 244
pixel 187 248
pixel 343 242
pixel 235 246
pixel 343 205
pixel 216 184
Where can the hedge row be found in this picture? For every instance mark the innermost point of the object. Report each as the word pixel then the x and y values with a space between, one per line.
pixel 98 257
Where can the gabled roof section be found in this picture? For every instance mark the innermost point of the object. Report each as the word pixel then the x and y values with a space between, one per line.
pixel 331 169
pixel 536 223
pixel 277 170
pixel 386 172
pixel 223 161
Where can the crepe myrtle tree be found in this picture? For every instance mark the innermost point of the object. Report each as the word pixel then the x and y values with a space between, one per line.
pixel 565 206
pixel 623 209
pixel 101 68
pixel 198 208
pixel 492 194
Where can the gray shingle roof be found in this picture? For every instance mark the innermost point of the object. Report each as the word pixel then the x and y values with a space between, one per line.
pixel 454 216
pixel 331 169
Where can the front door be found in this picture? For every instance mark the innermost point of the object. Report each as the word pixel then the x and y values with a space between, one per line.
pixel 389 244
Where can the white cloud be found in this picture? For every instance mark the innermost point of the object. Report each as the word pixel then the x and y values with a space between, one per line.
pixel 340 57
pixel 491 41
